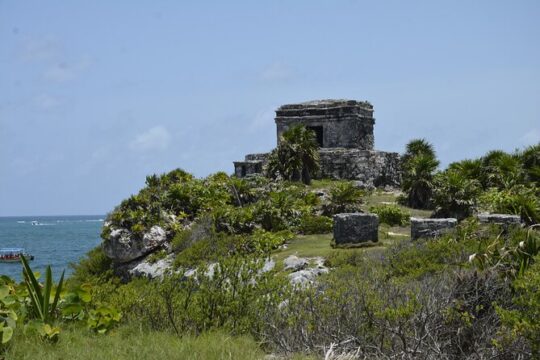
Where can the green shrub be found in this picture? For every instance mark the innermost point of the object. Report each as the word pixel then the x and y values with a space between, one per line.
pixel 315 224
pixel 391 214
pixel 94 267
pixel 518 200
pixel 523 320
pixel 344 197
pixel 156 256
pixel 455 195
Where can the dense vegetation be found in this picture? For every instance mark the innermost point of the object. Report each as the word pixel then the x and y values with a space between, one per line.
pixel 498 182
pixel 470 294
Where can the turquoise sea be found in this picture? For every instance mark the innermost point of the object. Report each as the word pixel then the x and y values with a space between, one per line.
pixel 54 240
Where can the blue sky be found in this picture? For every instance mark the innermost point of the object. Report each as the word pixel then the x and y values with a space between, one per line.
pixel 95 95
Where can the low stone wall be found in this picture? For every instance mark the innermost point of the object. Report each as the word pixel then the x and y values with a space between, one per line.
pixel 504 220
pixel 355 228
pixel 373 168
pixel 431 228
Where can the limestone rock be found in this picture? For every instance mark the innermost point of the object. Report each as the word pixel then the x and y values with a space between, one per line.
pixel 306 277
pixel 294 263
pixel 431 228
pixel 123 246
pixel 152 271
pixel 499 219
pixel 354 228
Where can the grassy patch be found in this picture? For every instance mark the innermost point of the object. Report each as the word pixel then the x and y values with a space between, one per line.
pixel 133 343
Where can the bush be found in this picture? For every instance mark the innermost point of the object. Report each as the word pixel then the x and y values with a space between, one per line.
pixel 523 319
pixel 391 214
pixel 455 195
pixel 227 295
pixel 315 224
pixel 344 197
pixel 518 200
pixel 95 267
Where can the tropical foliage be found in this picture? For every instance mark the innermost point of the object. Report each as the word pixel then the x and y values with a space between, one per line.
pixel 418 164
pixel 296 158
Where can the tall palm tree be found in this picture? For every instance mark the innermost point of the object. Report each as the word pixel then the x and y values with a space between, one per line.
pixel 296 157
pixel 419 164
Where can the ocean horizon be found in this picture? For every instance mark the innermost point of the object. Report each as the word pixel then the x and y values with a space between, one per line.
pixel 56 240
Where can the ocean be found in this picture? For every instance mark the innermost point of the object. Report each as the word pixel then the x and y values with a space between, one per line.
pixel 52 240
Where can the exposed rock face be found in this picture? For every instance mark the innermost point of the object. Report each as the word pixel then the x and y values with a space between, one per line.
pixel 354 228
pixel 294 263
pixel 499 219
pixel 308 276
pixel 122 246
pixel 431 228
pixel 151 271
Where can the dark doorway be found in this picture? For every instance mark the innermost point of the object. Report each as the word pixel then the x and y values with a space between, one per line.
pixel 243 171
pixel 318 130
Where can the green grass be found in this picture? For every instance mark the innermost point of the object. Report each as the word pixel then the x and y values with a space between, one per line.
pixel 320 244
pixel 132 343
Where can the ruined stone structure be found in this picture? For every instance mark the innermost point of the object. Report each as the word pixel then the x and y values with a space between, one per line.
pixel 431 228
pixel 344 131
pixel 355 228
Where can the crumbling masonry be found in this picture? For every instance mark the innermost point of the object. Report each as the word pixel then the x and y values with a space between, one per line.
pixel 344 131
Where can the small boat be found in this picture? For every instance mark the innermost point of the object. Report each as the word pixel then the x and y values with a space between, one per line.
pixel 14 255
pixel 34 222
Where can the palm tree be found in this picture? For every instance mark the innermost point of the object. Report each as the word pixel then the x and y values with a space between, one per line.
pixel 296 157
pixel 419 164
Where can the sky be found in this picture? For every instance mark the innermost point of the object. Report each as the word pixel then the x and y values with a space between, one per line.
pixel 95 95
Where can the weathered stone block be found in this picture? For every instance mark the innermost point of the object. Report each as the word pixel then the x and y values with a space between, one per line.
pixel 499 219
pixel 430 228
pixel 354 228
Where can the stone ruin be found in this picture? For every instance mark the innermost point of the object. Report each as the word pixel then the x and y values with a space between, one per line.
pixel 344 131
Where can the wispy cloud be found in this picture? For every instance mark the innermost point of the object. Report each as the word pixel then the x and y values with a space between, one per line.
pixel 277 71
pixel 46 101
pixel 264 119
pixel 156 138
pixel 531 137
pixel 64 71
pixel 40 49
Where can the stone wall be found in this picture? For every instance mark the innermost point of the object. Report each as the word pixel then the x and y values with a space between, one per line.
pixel 355 228
pixel 344 123
pixel 376 168
pixel 431 228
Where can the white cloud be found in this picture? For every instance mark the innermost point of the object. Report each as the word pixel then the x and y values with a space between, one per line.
pixel 264 119
pixel 46 101
pixel 156 138
pixel 277 71
pixel 531 137
pixel 40 50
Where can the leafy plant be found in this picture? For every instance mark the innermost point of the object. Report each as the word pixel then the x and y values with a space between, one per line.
pixel 9 309
pixel 103 319
pixel 296 157
pixel 418 164
pixel 455 195
pixel 344 197
pixel 391 214
pixel 40 298
pixel 315 224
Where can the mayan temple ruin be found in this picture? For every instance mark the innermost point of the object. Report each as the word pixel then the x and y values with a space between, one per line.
pixel 344 131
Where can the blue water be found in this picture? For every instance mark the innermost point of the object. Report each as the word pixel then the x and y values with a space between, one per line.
pixel 55 241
